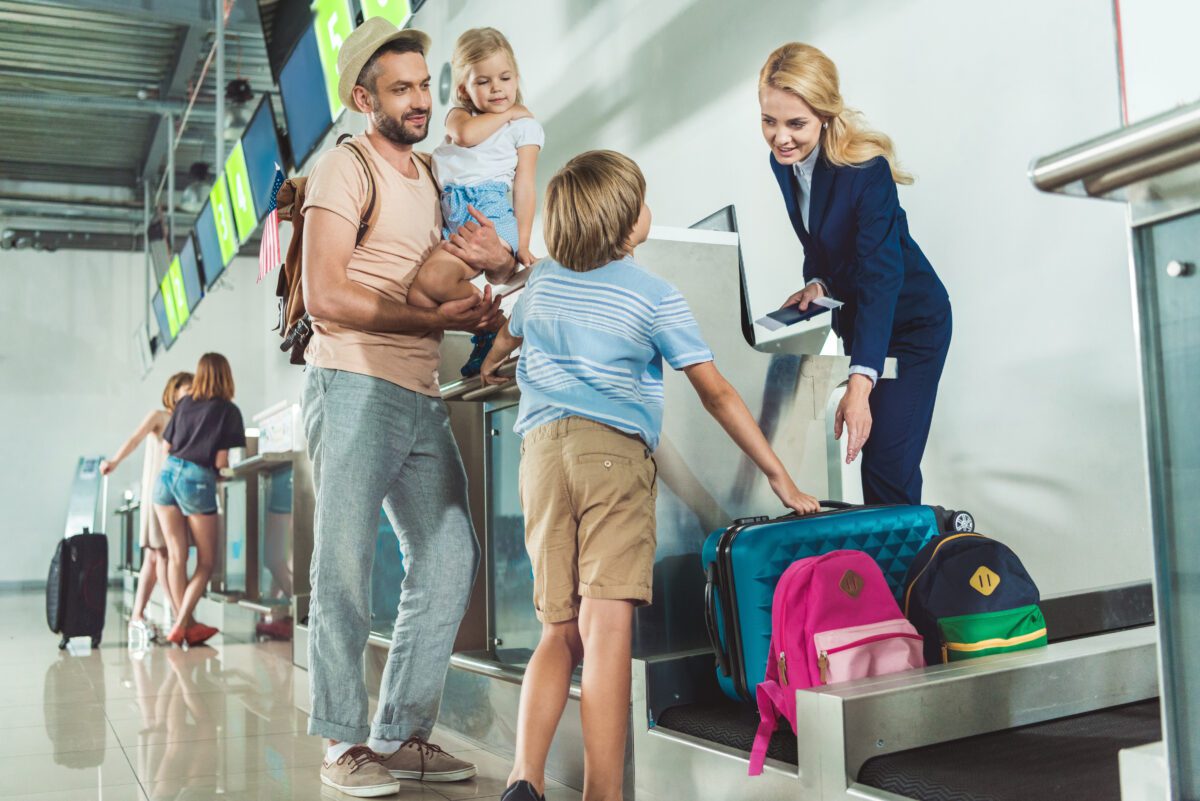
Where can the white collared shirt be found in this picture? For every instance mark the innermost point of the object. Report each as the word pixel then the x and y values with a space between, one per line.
pixel 803 170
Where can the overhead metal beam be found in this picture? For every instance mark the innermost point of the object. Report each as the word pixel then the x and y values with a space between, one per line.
pixel 77 102
pixel 178 12
pixel 59 173
pixel 49 207
pixel 175 83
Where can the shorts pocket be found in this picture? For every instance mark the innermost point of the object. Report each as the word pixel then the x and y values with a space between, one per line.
pixel 605 460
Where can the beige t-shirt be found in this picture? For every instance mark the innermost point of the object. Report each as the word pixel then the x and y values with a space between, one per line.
pixel 408 228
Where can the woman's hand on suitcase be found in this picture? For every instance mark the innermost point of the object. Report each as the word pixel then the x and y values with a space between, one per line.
pixel 799 502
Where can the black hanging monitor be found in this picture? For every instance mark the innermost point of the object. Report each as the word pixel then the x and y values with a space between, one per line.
pixel 305 103
pixel 260 144
pixel 164 327
pixel 193 284
pixel 209 246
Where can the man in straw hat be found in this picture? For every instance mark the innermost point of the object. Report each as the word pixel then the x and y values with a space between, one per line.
pixel 377 429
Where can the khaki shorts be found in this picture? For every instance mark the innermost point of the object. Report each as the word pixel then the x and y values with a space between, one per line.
pixel 588 494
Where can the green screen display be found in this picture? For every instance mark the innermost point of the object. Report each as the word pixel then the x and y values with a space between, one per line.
pixel 223 217
pixel 178 291
pixel 396 12
pixel 168 295
pixel 332 23
pixel 237 176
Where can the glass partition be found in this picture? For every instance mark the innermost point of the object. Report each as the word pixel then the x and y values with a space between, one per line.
pixel 515 626
pixel 275 537
pixel 236 501
pixel 1168 262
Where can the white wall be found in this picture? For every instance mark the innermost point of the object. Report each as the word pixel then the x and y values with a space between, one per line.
pixel 1158 40
pixel 71 384
pixel 1037 429
pixel 66 325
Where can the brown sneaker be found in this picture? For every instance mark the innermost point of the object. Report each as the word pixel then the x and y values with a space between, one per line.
pixel 359 773
pixel 417 759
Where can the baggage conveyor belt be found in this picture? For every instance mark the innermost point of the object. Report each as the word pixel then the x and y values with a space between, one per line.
pixel 1073 757
pixel 1041 723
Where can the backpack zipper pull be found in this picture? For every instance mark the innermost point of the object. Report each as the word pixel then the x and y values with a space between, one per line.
pixel 823 666
pixel 783 668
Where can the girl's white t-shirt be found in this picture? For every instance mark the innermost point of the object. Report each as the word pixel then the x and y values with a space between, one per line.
pixel 493 159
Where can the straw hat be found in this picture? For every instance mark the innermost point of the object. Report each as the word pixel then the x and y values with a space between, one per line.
pixel 362 44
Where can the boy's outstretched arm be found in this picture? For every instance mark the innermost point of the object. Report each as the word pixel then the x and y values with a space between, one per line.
pixel 723 402
pixel 502 348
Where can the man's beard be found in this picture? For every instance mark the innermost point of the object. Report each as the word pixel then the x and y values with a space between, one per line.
pixel 395 130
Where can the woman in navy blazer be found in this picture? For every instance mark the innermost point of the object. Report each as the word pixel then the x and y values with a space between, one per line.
pixel 839 184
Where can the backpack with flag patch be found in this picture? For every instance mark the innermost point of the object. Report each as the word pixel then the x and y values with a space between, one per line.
pixel 970 596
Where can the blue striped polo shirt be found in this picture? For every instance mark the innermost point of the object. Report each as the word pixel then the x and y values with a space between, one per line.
pixel 594 345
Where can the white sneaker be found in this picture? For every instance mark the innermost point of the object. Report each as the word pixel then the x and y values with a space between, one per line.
pixel 138 635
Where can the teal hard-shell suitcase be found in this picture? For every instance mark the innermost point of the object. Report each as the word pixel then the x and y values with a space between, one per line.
pixel 743 564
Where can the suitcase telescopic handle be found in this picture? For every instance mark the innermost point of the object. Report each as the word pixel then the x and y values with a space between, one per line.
pixel 710 619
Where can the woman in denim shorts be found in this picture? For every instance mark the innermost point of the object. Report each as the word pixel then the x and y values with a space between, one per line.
pixel 202 429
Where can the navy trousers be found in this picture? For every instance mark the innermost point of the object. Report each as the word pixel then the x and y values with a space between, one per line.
pixel 901 411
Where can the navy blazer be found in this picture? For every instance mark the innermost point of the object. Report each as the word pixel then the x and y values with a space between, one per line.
pixel 860 247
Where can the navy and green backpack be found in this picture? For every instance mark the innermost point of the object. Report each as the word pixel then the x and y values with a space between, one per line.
pixel 970 596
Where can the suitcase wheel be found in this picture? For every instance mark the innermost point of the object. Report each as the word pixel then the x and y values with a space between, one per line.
pixel 964 522
pixel 96 642
pixel 62 644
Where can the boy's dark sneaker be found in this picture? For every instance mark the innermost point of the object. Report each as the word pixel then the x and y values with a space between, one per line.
pixel 521 791
pixel 483 344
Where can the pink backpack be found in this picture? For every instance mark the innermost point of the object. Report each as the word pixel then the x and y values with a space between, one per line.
pixel 833 618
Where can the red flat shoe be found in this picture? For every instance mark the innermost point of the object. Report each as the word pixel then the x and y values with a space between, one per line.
pixel 198 633
pixel 177 636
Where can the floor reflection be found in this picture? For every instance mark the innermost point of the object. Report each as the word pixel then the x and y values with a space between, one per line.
pixel 118 724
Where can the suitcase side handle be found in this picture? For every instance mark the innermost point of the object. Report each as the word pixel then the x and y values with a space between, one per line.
pixel 826 506
pixel 710 619
pixel 835 505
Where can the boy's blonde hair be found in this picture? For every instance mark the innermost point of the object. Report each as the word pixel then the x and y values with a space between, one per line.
pixel 472 47
pixel 592 205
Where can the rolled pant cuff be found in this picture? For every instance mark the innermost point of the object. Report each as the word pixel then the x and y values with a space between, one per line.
pixel 400 731
pixel 639 595
pixel 336 731
pixel 557 615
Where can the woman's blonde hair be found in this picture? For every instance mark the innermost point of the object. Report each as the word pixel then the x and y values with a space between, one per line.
pixel 472 47
pixel 592 205
pixel 213 379
pixel 810 75
pixel 172 389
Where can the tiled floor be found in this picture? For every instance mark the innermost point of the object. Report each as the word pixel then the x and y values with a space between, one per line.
pixel 212 722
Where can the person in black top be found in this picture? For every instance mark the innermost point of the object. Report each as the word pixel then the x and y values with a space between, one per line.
pixel 202 429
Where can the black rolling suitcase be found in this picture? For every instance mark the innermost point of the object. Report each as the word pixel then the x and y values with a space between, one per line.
pixel 77 587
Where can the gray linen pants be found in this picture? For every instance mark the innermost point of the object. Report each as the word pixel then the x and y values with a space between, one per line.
pixel 374 443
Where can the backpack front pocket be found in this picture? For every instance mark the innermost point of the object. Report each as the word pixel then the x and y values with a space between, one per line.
pixel 987 633
pixel 875 649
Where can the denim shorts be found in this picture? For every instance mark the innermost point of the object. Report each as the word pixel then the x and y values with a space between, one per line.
pixel 490 199
pixel 187 485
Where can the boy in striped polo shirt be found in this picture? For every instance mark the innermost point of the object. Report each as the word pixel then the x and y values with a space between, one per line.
pixel 594 329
